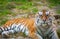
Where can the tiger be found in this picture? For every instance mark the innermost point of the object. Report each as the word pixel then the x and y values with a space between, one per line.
pixel 40 27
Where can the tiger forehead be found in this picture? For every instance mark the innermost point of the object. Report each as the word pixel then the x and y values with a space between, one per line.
pixel 44 11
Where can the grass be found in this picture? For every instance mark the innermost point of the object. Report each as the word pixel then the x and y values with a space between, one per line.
pixel 58 11
pixel 3 16
pixel 2 21
pixel 34 10
pixel 27 6
pixel 53 4
pixel 4 11
pixel 7 5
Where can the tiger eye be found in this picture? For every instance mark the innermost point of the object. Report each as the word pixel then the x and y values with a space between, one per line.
pixel 40 13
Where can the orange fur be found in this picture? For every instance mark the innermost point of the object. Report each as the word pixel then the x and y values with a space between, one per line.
pixel 27 22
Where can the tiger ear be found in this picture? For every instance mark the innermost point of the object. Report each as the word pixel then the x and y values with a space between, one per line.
pixel 40 13
pixel 52 14
pixel 47 12
pixel 37 14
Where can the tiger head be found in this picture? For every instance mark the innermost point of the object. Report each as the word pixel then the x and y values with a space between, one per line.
pixel 44 17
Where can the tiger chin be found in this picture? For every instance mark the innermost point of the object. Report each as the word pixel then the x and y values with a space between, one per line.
pixel 41 27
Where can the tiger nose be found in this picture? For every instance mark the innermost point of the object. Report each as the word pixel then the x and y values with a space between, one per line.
pixel 44 19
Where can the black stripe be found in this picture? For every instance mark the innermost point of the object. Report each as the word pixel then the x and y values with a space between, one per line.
pixel 51 35
pixel 1 30
pixel 22 28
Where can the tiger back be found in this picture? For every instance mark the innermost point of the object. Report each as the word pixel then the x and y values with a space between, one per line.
pixel 29 23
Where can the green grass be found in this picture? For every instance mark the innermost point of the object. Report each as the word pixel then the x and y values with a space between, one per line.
pixel 58 11
pixel 51 5
pixel 3 16
pixel 4 11
pixel 54 2
pixel 7 5
pixel 25 5
pixel 3 21
pixel 34 10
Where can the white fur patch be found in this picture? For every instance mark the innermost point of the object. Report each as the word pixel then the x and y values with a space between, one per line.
pixel 4 33
pixel 8 28
pixel 27 31
pixel 17 28
pixel 2 28
pixel 22 26
pixel 47 13
pixel 40 13
pixel 11 31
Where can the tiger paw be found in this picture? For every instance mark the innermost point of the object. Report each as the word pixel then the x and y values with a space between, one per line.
pixel 5 34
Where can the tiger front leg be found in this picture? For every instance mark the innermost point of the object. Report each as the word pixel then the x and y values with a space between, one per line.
pixel 7 33
pixel 54 36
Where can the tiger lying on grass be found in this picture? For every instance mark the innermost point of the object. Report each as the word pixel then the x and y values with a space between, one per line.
pixel 39 28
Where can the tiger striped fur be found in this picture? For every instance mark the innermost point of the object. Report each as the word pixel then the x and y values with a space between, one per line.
pixel 39 28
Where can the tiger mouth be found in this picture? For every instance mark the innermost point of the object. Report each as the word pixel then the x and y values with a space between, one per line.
pixel 44 24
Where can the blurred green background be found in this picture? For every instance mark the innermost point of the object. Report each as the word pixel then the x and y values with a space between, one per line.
pixel 12 8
